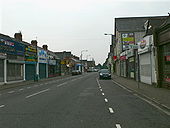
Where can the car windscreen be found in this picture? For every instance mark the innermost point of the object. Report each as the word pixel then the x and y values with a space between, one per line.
pixel 104 71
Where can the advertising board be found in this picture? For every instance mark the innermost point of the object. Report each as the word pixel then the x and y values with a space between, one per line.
pixel 11 47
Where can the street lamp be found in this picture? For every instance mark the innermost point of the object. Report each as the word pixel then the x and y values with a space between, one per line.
pixel 87 57
pixel 81 57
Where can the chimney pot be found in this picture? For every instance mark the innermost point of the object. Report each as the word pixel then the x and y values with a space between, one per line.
pixel 34 42
pixel 45 47
pixel 18 36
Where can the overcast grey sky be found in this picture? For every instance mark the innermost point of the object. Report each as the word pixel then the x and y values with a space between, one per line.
pixel 73 25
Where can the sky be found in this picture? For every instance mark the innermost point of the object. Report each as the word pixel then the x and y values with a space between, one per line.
pixel 73 25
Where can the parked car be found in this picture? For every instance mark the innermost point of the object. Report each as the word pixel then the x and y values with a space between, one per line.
pixel 76 72
pixel 104 74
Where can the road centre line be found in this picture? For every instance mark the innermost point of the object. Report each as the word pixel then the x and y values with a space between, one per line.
pixel 37 93
pixel 106 100
pixel 111 110
pixel 118 126
pixel 1 106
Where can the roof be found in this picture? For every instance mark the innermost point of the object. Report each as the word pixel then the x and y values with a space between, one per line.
pixel 134 24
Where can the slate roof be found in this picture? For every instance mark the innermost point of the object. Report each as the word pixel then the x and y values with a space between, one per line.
pixel 134 24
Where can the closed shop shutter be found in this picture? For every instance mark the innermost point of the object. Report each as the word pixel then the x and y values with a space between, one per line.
pixel 42 71
pixel 14 71
pixel 30 71
pixel 1 70
pixel 145 68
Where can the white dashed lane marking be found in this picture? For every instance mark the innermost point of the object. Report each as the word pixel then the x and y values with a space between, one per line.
pixel 111 110
pixel 21 89
pixel 1 106
pixel 106 100
pixel 11 92
pixel 118 126
pixel 37 93
pixel 62 84
pixel 103 94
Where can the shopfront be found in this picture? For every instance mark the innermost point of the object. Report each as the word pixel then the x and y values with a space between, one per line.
pixel 15 59
pixel 30 62
pixel 2 58
pixel 42 64
pixel 163 46
pixel 131 64
pixel 52 68
pixel 123 68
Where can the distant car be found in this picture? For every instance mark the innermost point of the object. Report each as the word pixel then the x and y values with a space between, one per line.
pixel 96 70
pixel 104 74
pixel 76 72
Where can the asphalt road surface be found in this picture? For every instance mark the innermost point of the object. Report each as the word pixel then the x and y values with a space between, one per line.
pixel 80 101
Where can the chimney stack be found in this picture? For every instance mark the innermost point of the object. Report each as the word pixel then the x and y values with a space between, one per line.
pixel 34 42
pixel 18 36
pixel 45 47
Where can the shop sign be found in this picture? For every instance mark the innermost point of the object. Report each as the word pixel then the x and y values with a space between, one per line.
pixel 122 57
pixel 143 45
pixel 11 47
pixel 52 62
pixel 130 53
pixel 127 39
pixel 114 58
pixel 167 79
pixel 30 54
pixel 167 58
pixel 62 62
pixel 42 56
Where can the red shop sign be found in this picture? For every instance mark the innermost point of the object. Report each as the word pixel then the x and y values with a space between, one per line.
pixel 114 58
pixel 167 79
pixel 122 57
pixel 167 58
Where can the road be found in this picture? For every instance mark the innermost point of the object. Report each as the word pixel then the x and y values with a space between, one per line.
pixel 80 101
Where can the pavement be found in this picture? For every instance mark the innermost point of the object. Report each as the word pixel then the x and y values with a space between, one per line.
pixel 160 96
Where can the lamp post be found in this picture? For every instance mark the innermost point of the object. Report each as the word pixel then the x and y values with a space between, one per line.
pixel 81 58
pixel 87 57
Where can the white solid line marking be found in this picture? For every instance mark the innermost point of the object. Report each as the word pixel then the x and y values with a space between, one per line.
pixel 103 94
pixel 11 91
pixel 118 126
pixel 149 102
pixel 111 110
pixel 106 100
pixel 1 106
pixel 37 93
